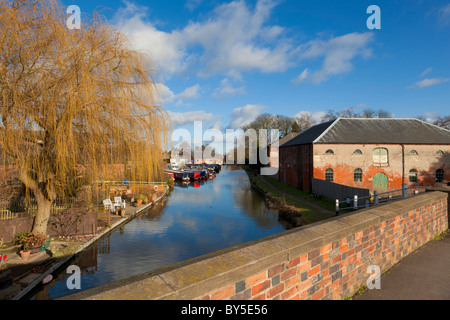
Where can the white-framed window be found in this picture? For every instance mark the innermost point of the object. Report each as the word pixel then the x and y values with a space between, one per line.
pixel 380 156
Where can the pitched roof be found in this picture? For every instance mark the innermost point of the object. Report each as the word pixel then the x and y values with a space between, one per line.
pixel 374 130
pixel 309 135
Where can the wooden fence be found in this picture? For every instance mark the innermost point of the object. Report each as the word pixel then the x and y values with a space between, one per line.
pixel 7 215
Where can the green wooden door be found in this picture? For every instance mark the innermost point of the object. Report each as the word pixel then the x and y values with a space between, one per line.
pixel 380 183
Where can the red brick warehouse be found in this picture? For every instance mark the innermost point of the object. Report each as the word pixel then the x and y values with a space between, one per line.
pixel 375 154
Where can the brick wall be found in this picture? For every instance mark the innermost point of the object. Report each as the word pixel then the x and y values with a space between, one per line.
pixel 326 260
pixel 344 162
pixel 83 225
pixel 296 166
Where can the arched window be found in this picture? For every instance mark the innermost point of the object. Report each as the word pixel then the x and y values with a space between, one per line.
pixel 329 151
pixel 357 175
pixel 439 175
pixel 357 151
pixel 380 156
pixel 413 175
pixel 329 175
pixel 413 153
pixel 439 153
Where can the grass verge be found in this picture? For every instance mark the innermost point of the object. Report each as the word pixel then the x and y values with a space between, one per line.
pixel 298 212
pixel 303 195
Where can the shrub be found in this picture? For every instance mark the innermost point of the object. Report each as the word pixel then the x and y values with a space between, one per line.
pixel 20 236
pixel 143 198
pixel 32 240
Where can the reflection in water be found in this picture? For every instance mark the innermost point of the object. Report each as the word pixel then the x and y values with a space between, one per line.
pixel 195 219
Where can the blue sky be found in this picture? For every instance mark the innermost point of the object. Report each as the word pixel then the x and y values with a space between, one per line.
pixel 225 62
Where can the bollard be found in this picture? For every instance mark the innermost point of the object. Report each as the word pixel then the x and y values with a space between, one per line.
pixel 355 202
pixel 375 196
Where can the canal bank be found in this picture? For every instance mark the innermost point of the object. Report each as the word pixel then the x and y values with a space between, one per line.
pixel 297 207
pixel 42 264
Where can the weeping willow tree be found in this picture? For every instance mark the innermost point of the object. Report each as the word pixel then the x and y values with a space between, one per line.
pixel 72 99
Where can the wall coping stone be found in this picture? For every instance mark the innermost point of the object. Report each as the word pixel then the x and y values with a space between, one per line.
pixel 197 277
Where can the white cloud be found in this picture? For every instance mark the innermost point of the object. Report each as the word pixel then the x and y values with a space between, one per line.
pixel 337 54
pixel 430 116
pixel 316 117
pixel 217 126
pixel 164 95
pixel 444 15
pixel 189 93
pixel 301 77
pixel 226 90
pixel 234 38
pixel 166 49
pixel 181 118
pixel 192 4
pixel 429 82
pixel 426 71
pixel 245 115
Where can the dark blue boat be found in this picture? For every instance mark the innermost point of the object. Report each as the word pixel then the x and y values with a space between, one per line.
pixel 180 175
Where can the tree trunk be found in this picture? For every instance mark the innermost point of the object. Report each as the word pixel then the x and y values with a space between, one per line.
pixel 43 202
pixel 42 214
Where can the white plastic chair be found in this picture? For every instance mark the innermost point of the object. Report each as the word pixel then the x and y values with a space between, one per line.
pixel 108 204
pixel 118 202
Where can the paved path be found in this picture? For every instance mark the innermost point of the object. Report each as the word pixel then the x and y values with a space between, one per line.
pixel 422 275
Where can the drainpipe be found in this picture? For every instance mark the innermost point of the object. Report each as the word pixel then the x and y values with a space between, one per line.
pixel 404 190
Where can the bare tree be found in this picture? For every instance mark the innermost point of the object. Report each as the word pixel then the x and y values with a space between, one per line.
pixel 350 113
pixel 263 121
pixel 368 113
pixel 331 115
pixel 267 121
pixel 384 114
pixel 303 121
pixel 284 124
pixel 70 98
pixel 443 122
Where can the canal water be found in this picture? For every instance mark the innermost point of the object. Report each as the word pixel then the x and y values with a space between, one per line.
pixel 195 219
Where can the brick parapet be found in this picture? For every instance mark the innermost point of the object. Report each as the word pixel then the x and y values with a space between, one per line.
pixel 325 260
